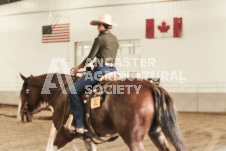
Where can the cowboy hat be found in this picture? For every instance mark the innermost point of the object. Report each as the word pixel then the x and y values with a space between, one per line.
pixel 103 19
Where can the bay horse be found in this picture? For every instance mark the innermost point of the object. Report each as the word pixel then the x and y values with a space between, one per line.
pixel 131 115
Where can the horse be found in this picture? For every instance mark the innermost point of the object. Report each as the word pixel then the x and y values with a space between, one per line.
pixel 131 115
pixel 25 115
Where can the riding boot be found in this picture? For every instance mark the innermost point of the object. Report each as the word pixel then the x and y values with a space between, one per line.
pixel 68 125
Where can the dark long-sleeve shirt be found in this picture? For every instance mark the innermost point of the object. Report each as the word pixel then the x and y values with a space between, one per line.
pixel 105 48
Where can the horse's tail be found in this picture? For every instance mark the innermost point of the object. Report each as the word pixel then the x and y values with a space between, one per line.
pixel 165 116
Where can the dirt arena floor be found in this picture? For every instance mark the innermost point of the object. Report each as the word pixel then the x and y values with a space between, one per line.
pixel 202 132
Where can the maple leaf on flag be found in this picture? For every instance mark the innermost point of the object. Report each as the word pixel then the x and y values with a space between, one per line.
pixel 164 28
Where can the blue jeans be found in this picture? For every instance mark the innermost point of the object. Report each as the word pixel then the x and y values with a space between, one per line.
pixel 79 86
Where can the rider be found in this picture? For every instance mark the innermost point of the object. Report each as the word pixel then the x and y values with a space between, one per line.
pixel 104 49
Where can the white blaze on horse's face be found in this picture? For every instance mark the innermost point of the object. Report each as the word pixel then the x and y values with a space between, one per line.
pixel 19 111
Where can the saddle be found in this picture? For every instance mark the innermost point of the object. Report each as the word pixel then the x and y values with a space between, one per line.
pixel 94 100
pixel 111 76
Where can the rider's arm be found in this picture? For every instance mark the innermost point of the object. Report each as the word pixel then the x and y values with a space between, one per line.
pixel 93 52
pixel 91 55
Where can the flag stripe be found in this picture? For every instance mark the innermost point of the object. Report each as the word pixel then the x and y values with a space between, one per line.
pixel 57 25
pixel 150 28
pixel 60 27
pixel 65 30
pixel 56 38
pixel 177 27
pixel 57 29
pixel 55 41
pixel 61 33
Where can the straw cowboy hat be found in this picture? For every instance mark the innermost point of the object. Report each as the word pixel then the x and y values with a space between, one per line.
pixel 103 19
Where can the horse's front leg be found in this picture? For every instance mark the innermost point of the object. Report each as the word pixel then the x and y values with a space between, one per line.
pixel 74 146
pixel 50 146
pixel 53 131
pixel 63 137
pixel 90 146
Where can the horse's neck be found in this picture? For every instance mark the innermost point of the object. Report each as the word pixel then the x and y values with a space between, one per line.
pixel 59 101
pixel 50 95
pixel 51 99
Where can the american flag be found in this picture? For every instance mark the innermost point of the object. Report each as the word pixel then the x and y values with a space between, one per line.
pixel 56 33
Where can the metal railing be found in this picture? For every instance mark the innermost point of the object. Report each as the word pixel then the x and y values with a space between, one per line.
pixel 10 86
pixel 205 87
pixel 198 87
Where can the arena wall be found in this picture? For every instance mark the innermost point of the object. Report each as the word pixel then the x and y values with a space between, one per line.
pixel 199 54
pixel 185 102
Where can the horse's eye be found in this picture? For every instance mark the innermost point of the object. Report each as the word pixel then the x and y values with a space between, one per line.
pixel 27 91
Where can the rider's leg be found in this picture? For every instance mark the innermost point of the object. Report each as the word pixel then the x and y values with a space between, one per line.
pixel 76 102
pixel 78 88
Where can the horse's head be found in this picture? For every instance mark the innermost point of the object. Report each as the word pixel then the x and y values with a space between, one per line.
pixel 31 94
pixel 30 98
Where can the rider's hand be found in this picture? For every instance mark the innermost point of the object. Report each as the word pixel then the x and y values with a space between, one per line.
pixel 74 70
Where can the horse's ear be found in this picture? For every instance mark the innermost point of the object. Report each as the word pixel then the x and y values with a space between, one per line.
pixel 32 75
pixel 23 77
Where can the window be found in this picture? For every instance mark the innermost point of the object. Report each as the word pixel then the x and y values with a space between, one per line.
pixel 127 48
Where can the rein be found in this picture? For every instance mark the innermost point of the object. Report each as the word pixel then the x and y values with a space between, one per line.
pixel 45 108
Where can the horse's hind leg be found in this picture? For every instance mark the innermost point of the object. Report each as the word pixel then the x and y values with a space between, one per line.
pixel 133 136
pixel 158 138
pixel 90 146
pixel 136 146
pixel 133 143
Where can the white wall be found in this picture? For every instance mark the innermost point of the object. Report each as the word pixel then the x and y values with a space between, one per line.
pixel 199 54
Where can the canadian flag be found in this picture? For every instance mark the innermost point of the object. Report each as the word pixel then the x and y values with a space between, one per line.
pixel 164 28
